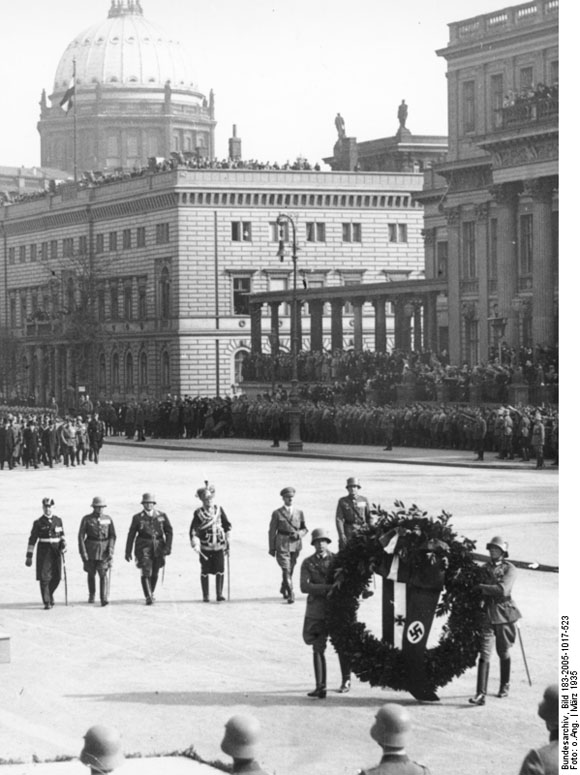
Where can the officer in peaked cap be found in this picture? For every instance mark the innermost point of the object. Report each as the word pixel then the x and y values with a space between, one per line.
pixel 287 528
pixel 97 538
pixel 316 582
pixel 151 534
pixel 391 730
pixel 48 531
pixel 501 615
pixel 241 737
pixel 352 512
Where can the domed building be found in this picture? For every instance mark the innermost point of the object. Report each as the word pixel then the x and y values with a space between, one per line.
pixel 135 98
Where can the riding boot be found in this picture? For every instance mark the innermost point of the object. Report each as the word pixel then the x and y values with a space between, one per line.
pixel 154 578
pixel 45 594
pixel 91 583
pixel 345 672
pixel 481 690
pixel 319 676
pixel 219 587
pixel 205 588
pixel 504 677
pixel 103 590
pixel 289 590
pixel 147 590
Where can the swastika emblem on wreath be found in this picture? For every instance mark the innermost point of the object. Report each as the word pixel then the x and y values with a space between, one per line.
pixel 415 632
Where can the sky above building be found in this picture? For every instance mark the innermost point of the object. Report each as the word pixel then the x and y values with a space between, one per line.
pixel 280 70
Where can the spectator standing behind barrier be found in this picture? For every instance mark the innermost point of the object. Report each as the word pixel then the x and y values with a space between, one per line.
pixel 390 731
pixel 501 615
pixel 544 761
pixel 48 531
pixel 209 535
pixel 352 512
pixel 97 539
pixel 287 528
pixel 538 440
pixel 102 750
pixel 315 581
pixel 240 742
pixel 152 534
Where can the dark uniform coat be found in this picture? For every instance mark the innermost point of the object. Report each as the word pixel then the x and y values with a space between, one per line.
pixel 351 513
pixel 499 606
pixel 287 527
pixel 210 527
pixel 49 533
pixel 152 535
pixel 393 764
pixel 97 539
pixel 315 582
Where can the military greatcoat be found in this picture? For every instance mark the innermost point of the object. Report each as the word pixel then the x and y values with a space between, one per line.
pixel 152 535
pixel 351 514
pixel 287 527
pixel 49 533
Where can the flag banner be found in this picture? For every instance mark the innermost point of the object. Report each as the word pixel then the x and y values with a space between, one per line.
pixel 67 101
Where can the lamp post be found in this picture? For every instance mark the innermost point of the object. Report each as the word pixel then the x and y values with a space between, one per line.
pixel 294 439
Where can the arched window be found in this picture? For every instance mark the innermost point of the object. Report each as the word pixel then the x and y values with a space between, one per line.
pixel 164 288
pixel 143 378
pixel 165 369
pixel 115 371
pixel 102 372
pixel 239 359
pixel 129 377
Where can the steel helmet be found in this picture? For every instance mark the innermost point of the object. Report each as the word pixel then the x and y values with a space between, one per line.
pixel 353 481
pixel 320 534
pixel 148 497
pixel 241 735
pixel 500 543
pixel 548 709
pixel 392 723
pixel 102 749
pixel 98 501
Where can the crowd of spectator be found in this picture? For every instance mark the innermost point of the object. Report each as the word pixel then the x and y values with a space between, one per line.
pixel 531 94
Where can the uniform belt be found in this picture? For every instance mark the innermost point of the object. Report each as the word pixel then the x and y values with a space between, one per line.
pixel 49 540
pixel 97 540
pixel 285 533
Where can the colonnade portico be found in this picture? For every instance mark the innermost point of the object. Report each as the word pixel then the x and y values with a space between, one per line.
pixel 411 299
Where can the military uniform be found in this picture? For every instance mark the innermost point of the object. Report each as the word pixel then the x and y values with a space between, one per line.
pixel 48 532
pixel 287 527
pixel 97 539
pixel 396 764
pixel 209 532
pixel 352 512
pixel 152 534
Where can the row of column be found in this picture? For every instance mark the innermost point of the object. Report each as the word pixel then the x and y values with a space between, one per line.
pixel 417 314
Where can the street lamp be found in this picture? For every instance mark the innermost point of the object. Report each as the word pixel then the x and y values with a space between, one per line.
pixel 294 439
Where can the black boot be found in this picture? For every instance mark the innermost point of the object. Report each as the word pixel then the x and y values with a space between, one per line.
pixel 289 590
pixel 91 583
pixel 482 676
pixel 219 587
pixel 319 676
pixel 504 677
pixel 345 672
pixel 147 590
pixel 154 578
pixel 45 593
pixel 104 589
pixel 205 588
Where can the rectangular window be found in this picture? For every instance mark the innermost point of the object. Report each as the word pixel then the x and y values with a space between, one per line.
pixel 128 301
pixel 442 259
pixel 83 246
pixel 468 106
pixel 241 231
pixel 468 250
pixel 315 232
pixel 526 78
pixel 392 232
pixel 492 269
pixel 44 251
pixel 112 241
pixel 100 247
pixel 126 239
pixel 68 247
pixel 141 236
pixel 142 302
pixel 162 233
pixel 11 255
pixel 22 254
pixel 351 232
pixel 526 243
pixel 402 232
pixel 554 73
pixel 279 231
pixel 13 312
pixel 101 303
pixel 497 97
pixel 241 287
pixel 33 252
pixel 114 301
pixel 53 249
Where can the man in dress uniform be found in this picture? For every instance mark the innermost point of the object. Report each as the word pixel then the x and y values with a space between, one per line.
pixel 501 615
pixel 240 742
pixel 152 534
pixel 316 583
pixel 97 539
pixel 352 512
pixel 49 532
pixel 538 440
pixel 287 528
pixel 390 731
pixel 209 535
pixel 544 760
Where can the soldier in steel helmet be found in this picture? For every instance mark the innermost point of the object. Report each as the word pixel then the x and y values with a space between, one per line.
pixel 97 539
pixel 151 533
pixel 315 581
pixel 544 760
pixel 48 531
pixel 209 535
pixel 391 730
pixel 102 750
pixel 240 741
pixel 287 528
pixel 501 615
pixel 352 512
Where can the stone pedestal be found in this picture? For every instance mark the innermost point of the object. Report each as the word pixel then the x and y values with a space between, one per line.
pixel 345 154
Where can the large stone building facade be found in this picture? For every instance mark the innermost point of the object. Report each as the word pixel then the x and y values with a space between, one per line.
pixel 141 287
pixel 136 98
pixel 491 209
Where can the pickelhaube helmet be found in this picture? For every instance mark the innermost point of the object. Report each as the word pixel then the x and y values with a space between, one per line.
pixel 392 724
pixel 102 749
pixel 98 501
pixel 207 489
pixel 548 709
pixel 500 543
pixel 47 502
pixel 241 735
pixel 320 534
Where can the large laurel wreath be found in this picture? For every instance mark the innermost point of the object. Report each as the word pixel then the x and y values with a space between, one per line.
pixel 421 539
